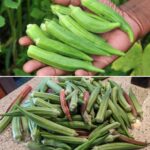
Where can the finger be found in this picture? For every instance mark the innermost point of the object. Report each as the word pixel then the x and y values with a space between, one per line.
pixel 32 65
pixel 68 2
pixel 83 73
pixel 25 41
pixel 50 71
pixel 62 2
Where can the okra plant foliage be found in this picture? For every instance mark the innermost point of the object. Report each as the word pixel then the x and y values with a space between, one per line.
pixel 16 14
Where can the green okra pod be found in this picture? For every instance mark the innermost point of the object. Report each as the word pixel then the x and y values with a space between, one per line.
pixel 56 144
pixel 123 101
pixel 37 146
pixel 61 48
pixel 47 124
pixel 132 118
pixel 91 24
pixel 137 105
pixel 103 106
pixel 54 86
pixel 117 146
pixel 43 103
pixel 117 116
pixel 92 134
pixel 52 97
pixel 60 61
pixel 88 84
pixel 25 127
pixel 105 130
pixel 65 139
pixel 77 125
pixel 66 36
pixel 103 10
pixel 60 9
pixel 74 102
pixel 17 129
pixel 92 98
pixel 34 131
pixel 41 111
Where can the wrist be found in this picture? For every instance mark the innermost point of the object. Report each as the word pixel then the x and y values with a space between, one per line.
pixel 138 12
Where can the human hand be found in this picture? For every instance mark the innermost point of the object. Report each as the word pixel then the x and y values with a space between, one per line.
pixel 117 38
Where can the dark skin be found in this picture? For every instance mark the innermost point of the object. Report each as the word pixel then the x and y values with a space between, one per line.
pixel 117 38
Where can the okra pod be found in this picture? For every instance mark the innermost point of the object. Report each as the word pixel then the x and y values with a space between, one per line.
pixel 65 139
pixel 77 125
pixel 52 97
pixel 117 146
pixel 92 24
pixel 103 10
pixel 47 124
pixel 59 61
pixel 34 32
pixel 88 84
pixel 136 103
pixel 103 106
pixel 37 146
pixel 123 102
pixel 41 111
pixel 40 102
pixel 105 130
pixel 16 129
pixel 61 48
pixel 54 86
pixel 117 116
pixel 92 134
pixel 68 89
pixel 34 131
pixel 132 118
pixel 114 94
pixel 66 36
pixel 25 127
pixel 92 98
pixel 56 144
pixel 74 102
pixel 60 9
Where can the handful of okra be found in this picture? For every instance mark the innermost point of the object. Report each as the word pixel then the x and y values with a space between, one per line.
pixel 76 114
pixel 69 39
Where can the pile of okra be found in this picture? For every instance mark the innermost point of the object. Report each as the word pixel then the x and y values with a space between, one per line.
pixel 72 36
pixel 75 114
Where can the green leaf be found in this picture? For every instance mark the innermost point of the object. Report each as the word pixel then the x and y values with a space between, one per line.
pixel 37 13
pixel 12 4
pixel 2 21
pixel 19 72
pixel 130 61
pixel 146 61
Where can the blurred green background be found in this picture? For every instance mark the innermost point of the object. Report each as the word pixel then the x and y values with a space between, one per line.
pixel 16 14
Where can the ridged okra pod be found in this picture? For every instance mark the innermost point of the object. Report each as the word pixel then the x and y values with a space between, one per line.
pixel 59 61
pixel 92 98
pixel 52 97
pixel 54 86
pixel 103 10
pixel 47 124
pixel 117 146
pixel 123 101
pixel 65 139
pixel 66 36
pixel 92 24
pixel 56 144
pixel 38 146
pixel 137 105
pixel 17 129
pixel 103 106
